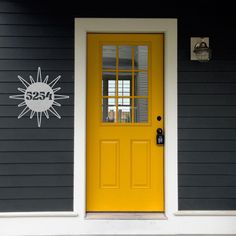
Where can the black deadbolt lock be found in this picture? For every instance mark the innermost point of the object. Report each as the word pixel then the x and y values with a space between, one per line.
pixel 160 136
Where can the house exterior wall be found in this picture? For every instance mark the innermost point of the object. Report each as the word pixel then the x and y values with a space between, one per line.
pixel 33 36
pixel 206 117
pixel 36 164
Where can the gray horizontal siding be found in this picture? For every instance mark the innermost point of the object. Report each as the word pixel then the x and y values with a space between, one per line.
pixel 207 134
pixel 207 99
pixel 35 193
pixel 36 169
pixel 213 66
pixel 207 180
pixel 36 157
pixel 26 205
pixel 36 134
pixel 207 168
pixel 25 122
pixel 208 77
pixel 34 54
pixel 207 157
pixel 7 111
pixel 9 76
pixel 207 121
pixel 33 19
pixel 207 140
pixel 54 65
pixel 207 145
pixel 36 145
pixel 35 42
pixel 36 181
pixel 207 204
pixel 207 111
pixel 207 88
pixel 36 30
pixel 15 7
pixel 36 164
pixel 207 192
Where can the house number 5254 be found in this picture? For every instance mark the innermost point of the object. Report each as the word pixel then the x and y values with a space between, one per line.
pixel 38 95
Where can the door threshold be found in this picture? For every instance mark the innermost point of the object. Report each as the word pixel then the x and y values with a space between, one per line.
pixel 126 216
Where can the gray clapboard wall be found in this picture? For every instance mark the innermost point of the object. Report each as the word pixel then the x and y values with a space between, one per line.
pixel 36 164
pixel 207 119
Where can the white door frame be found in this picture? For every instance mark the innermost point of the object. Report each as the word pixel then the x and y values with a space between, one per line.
pixel 169 28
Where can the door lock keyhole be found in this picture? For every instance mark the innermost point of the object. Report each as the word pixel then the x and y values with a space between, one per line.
pixel 159 118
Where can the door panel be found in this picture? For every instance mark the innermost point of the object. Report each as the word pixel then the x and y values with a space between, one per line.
pixel 109 164
pixel 124 97
pixel 140 164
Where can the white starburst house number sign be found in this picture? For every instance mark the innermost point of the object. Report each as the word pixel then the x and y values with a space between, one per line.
pixel 39 97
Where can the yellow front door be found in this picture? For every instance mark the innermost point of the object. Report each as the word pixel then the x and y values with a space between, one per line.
pixel 124 110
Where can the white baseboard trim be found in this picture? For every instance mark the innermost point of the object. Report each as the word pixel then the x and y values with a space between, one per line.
pixel 39 214
pixel 205 213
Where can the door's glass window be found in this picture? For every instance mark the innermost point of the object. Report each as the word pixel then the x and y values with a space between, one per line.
pixel 109 110
pixel 141 57
pixel 140 110
pixel 109 84
pixel 125 84
pixel 125 57
pixel 140 84
pixel 124 110
pixel 109 57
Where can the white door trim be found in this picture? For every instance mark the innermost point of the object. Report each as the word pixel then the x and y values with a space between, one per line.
pixel 169 28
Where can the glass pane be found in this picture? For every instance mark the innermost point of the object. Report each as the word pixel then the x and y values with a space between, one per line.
pixel 124 84
pixel 141 84
pixel 140 110
pixel 108 83
pixel 109 57
pixel 109 110
pixel 124 110
pixel 141 57
pixel 125 57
